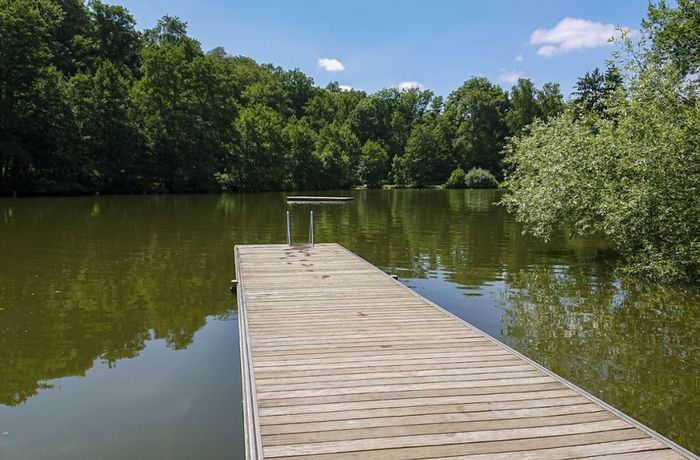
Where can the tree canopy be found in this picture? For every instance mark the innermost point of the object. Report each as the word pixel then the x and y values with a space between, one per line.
pixel 90 104
pixel 623 161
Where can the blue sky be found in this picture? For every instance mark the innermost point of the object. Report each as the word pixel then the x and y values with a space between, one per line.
pixel 436 43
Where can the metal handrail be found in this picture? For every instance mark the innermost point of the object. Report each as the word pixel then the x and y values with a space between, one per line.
pixel 311 228
pixel 289 231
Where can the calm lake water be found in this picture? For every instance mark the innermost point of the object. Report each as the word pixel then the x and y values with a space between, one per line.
pixel 119 337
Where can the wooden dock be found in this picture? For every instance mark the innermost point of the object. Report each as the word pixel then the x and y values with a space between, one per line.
pixel 319 199
pixel 340 361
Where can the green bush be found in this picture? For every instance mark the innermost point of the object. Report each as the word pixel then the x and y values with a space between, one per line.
pixel 456 179
pixel 480 178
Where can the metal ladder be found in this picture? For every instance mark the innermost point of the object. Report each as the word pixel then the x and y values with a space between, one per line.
pixel 311 229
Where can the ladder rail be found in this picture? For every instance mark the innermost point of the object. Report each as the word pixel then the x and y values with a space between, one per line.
pixel 311 229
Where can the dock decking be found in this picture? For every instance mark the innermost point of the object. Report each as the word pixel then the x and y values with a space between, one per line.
pixel 319 199
pixel 340 361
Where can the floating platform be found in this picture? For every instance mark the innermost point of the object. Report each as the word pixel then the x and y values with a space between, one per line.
pixel 341 361
pixel 320 199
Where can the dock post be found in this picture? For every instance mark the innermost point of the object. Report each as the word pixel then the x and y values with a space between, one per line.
pixel 289 231
pixel 311 228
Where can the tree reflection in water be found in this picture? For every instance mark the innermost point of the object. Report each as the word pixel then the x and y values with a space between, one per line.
pixel 634 345
pixel 97 278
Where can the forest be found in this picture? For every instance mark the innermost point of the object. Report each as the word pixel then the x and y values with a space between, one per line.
pixel 89 104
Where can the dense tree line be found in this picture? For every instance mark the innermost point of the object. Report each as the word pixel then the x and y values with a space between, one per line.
pixel 90 104
pixel 624 160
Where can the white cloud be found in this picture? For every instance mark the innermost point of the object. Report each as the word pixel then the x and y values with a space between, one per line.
pixel 547 51
pixel 510 76
pixel 331 64
pixel 572 34
pixel 345 87
pixel 519 58
pixel 406 85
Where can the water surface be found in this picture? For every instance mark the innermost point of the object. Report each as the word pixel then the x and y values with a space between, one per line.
pixel 118 336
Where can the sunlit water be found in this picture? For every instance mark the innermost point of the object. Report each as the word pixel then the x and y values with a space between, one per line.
pixel 118 335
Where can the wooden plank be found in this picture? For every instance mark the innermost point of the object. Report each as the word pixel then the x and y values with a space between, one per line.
pixel 341 361
pixel 414 401
pixel 657 454
pixel 410 373
pixel 440 439
pixel 511 447
pixel 347 434
pixel 443 362
pixel 435 410
pixel 344 370
pixel 283 385
pixel 561 453
pixel 446 417
pixel 268 345
pixel 381 358
pixel 403 387
pixel 380 351
pixel 406 395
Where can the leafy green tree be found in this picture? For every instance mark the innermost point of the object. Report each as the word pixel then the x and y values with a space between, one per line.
pixel 427 159
pixel 594 89
pixel 271 86
pixel 388 117
pixel 476 111
pixel 333 87
pixel 372 116
pixel 168 29
pixel 35 127
pixel 261 149
pixel 69 42
pixel 24 56
pixel 113 31
pixel 550 100
pixel 304 166
pixel 632 177
pixel 101 109
pixel 327 106
pixel 299 89
pixel 374 164
pixel 338 149
pixel 320 109
pixel 613 80
pixel 241 72
pixel 344 102
pixel 411 107
pixel 163 116
pixel 590 91
pixel 523 108
pixel 676 35
pixel 185 109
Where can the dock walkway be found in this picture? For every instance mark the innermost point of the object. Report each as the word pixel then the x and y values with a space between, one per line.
pixel 340 361
pixel 319 199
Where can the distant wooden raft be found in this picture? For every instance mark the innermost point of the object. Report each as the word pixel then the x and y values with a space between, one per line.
pixel 340 361
pixel 320 198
